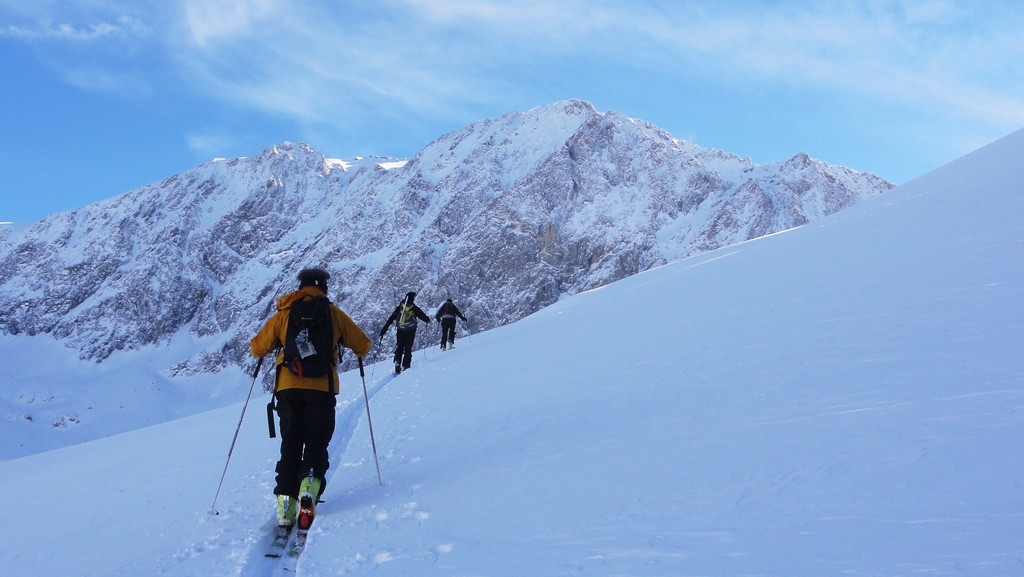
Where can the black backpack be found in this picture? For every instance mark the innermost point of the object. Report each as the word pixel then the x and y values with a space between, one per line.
pixel 309 341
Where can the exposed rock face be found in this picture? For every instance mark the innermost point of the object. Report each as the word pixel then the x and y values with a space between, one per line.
pixel 505 216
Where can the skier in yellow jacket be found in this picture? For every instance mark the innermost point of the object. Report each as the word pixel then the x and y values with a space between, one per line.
pixel 305 404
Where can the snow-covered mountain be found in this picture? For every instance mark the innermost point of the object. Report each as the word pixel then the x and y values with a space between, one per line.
pixel 506 216
pixel 844 398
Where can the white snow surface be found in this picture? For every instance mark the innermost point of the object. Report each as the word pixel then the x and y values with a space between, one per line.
pixel 845 398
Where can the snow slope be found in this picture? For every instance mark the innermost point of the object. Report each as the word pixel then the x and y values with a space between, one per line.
pixel 845 398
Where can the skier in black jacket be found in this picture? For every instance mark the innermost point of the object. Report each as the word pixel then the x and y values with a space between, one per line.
pixel 404 317
pixel 446 315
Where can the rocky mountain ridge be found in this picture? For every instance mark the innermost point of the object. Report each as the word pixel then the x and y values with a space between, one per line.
pixel 505 215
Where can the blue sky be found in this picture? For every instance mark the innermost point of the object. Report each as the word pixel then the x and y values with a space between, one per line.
pixel 103 96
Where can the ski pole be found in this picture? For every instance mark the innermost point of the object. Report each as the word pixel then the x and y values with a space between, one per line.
pixel 255 372
pixel 369 421
pixel 381 355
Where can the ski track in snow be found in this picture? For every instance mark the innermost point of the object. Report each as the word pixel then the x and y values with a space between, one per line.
pixel 349 416
pixel 341 495
pixel 362 508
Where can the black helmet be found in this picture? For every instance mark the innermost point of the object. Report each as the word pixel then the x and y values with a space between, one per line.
pixel 410 296
pixel 314 276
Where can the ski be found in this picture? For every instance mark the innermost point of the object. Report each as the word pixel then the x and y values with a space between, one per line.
pixel 308 490
pixel 291 562
pixel 280 543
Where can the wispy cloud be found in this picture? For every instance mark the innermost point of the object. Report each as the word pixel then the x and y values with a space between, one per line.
pixel 929 53
pixel 322 66
pixel 106 54
pixel 79 33
pixel 209 144
pixel 60 32
pixel 210 21
pixel 313 61
pixel 320 63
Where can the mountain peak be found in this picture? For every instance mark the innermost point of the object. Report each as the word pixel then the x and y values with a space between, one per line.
pixel 288 149
pixel 569 107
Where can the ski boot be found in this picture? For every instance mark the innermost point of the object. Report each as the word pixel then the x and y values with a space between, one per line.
pixel 309 493
pixel 286 512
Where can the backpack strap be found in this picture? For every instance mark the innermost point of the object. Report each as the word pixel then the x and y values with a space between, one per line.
pixel 332 375
pixel 272 406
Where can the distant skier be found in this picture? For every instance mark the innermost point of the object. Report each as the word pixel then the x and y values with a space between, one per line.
pixel 404 317
pixel 306 329
pixel 447 315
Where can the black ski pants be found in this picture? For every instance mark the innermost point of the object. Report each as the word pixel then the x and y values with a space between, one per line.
pixel 307 425
pixel 447 331
pixel 403 347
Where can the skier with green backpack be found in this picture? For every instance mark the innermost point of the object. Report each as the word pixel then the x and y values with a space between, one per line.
pixel 405 318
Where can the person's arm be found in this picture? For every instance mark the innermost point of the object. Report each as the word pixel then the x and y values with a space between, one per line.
pixel 422 315
pixel 266 340
pixel 349 334
pixel 391 319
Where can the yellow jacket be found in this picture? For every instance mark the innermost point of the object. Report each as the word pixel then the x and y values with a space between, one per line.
pixel 272 335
